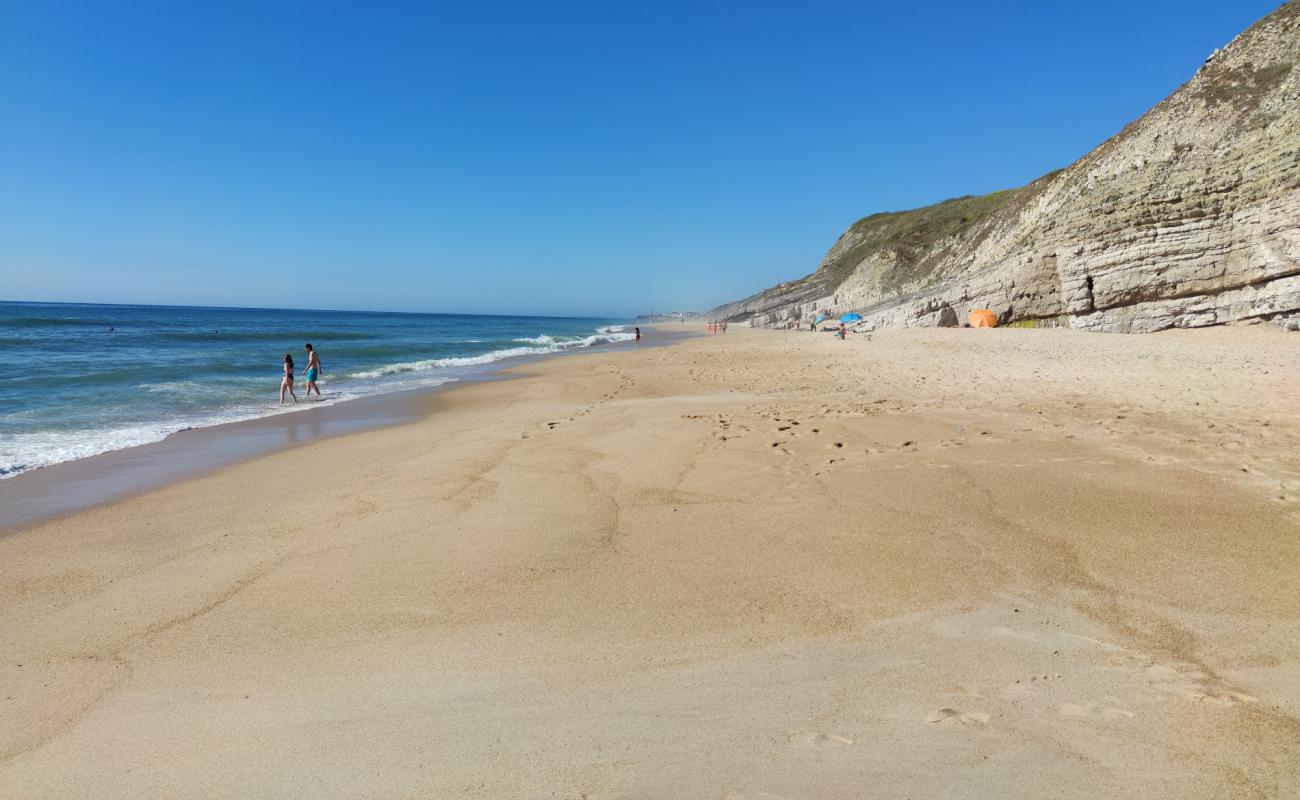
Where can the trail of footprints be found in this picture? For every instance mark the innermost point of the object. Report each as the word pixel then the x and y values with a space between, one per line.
pixel 789 435
pixel 1143 685
pixel 723 429
pixel 625 382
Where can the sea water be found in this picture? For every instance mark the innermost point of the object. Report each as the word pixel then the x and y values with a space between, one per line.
pixel 77 380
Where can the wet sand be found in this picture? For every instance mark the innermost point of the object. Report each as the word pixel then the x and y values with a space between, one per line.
pixel 938 563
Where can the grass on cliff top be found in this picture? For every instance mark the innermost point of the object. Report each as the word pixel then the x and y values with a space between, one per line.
pixel 913 234
pixel 1243 87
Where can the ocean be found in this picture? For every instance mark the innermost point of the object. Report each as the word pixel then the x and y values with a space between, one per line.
pixel 77 379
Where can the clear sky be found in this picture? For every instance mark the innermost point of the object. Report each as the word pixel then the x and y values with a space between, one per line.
pixel 548 157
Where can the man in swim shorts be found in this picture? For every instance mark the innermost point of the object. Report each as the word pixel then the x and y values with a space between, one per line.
pixel 313 370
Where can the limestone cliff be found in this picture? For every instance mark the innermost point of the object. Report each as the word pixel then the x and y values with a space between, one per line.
pixel 1189 216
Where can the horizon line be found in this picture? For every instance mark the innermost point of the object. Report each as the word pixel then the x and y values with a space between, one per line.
pixel 323 310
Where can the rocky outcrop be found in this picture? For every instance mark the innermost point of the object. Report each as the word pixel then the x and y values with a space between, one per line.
pixel 1190 216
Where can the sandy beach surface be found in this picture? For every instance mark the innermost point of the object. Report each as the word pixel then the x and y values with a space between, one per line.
pixel 928 564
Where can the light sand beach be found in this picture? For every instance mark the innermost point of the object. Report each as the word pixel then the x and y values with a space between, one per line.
pixel 929 564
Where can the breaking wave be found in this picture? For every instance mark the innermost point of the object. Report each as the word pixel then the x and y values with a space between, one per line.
pixel 541 345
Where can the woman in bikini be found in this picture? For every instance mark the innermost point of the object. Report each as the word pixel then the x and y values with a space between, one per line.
pixel 286 383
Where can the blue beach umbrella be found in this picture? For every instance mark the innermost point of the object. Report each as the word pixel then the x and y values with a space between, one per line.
pixel 850 318
pixel 819 319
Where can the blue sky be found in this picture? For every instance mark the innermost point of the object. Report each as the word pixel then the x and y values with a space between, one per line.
pixel 600 158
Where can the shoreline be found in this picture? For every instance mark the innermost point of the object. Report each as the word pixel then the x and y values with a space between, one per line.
pixel 56 490
pixel 1027 562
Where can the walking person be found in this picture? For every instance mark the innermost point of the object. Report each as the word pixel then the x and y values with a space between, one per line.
pixel 313 370
pixel 286 382
pixel 638 335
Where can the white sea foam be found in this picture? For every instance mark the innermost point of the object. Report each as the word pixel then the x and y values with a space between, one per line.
pixel 25 451
pixel 22 452
pixel 542 346
pixel 444 363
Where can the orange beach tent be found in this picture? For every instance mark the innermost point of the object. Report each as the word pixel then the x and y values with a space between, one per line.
pixel 983 318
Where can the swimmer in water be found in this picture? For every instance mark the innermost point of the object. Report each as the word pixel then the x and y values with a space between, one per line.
pixel 286 382
pixel 313 370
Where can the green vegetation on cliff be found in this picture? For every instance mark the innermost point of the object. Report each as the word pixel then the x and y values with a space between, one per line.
pixel 911 236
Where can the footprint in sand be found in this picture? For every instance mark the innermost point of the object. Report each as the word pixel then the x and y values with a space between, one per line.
pixel 1219 696
pixel 1186 680
pixel 1195 685
pixel 1017 691
pixel 1024 636
pixel 1094 710
pixel 952 718
pixel 820 739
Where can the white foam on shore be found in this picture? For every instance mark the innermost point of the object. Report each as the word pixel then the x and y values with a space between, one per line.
pixel 542 345
pixel 23 452
pixel 27 451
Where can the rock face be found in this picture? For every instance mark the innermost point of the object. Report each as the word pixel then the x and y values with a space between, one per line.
pixel 1190 216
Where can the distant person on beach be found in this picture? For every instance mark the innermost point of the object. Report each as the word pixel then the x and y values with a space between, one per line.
pixel 638 333
pixel 313 370
pixel 843 331
pixel 286 383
